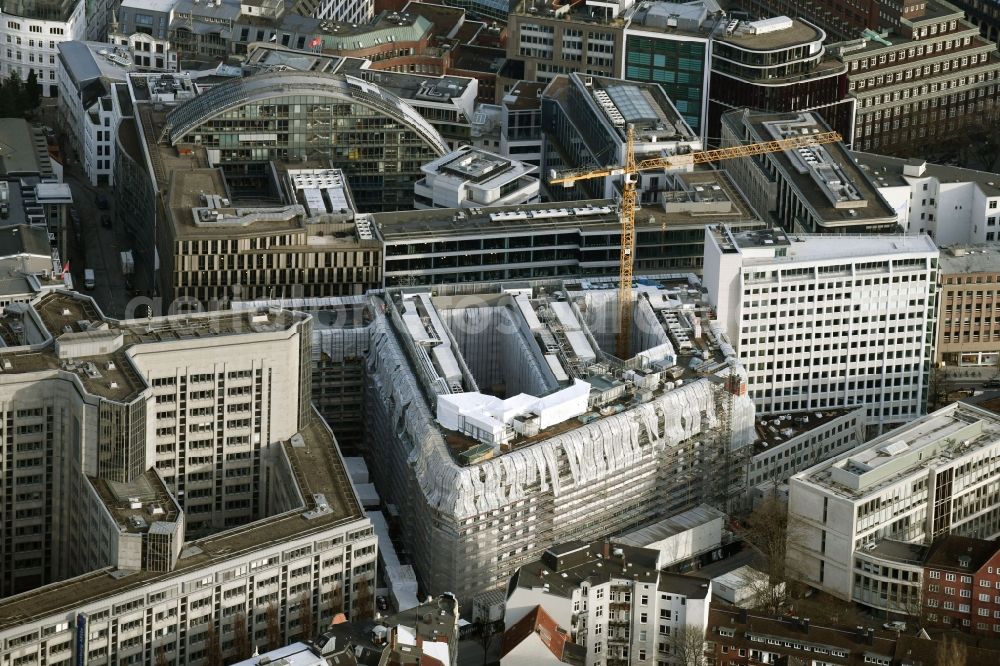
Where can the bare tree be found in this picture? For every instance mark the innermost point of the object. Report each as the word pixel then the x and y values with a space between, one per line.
pixel 939 390
pixel 307 628
pixel 364 601
pixel 485 633
pixel 213 649
pixel 769 531
pixel 687 644
pixel 273 627
pixel 241 636
pixel 952 652
pixel 765 595
pixel 161 657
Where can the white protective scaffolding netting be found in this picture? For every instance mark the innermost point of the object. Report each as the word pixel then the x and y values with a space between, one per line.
pixel 494 345
pixel 593 451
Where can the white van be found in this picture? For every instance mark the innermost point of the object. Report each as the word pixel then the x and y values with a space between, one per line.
pixel 88 278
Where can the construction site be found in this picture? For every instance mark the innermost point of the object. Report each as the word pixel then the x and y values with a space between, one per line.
pixel 503 421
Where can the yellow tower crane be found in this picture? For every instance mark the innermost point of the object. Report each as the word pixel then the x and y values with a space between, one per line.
pixel 630 172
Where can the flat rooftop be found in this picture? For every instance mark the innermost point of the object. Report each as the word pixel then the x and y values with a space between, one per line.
pixel 565 567
pixel 965 259
pixel 643 105
pixel 668 527
pixel 410 87
pixel 275 57
pixel 318 469
pixel 826 177
pixel 472 164
pixel 934 439
pixel 594 215
pixel 899 551
pixel 773 430
pixel 578 12
pixel 135 506
pixel 784 248
pixel 889 171
pixel 746 35
pixel 689 19
pixel 67 319
pixel 22 149
pixel 524 95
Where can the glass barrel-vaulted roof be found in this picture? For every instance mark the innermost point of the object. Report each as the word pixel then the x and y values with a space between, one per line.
pixel 269 85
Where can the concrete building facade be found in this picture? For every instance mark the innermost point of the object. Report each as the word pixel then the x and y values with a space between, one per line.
pixel 551 240
pixel 864 515
pixel 949 204
pixel 172 481
pixel 521 123
pixel 554 40
pixel 790 443
pixel 88 73
pixel 826 322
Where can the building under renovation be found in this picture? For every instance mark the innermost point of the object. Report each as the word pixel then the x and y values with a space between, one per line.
pixel 502 422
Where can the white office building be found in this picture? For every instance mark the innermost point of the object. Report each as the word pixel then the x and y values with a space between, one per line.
pixel 89 109
pixel 822 322
pixel 860 519
pixel 167 481
pixel 614 603
pixel 950 204
pixel 470 177
pixel 29 32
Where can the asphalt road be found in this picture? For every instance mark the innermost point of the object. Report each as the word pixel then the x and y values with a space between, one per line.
pixel 98 247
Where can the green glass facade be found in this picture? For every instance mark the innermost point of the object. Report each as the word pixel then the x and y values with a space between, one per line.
pixel 678 66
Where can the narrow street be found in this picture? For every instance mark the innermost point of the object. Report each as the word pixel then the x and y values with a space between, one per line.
pixel 98 248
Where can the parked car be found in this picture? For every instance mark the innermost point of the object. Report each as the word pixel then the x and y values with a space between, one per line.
pixel 895 626
pixel 992 384
pixel 88 278
pixel 382 603
pixel 106 221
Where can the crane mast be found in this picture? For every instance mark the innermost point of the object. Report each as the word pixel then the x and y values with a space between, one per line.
pixel 630 172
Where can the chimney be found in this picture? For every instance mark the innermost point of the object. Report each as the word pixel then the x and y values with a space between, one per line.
pixel 871 636
pixel 859 634
pixel 805 625
pixel 606 552
pixel 743 616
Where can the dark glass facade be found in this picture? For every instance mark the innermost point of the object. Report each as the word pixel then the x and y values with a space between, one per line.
pixel 677 66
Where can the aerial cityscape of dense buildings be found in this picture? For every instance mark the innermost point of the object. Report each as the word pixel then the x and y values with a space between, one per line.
pixel 447 332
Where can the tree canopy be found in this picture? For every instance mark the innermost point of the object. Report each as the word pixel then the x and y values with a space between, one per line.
pixel 19 98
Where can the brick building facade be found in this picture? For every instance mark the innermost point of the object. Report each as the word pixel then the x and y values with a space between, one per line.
pixel 961 585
